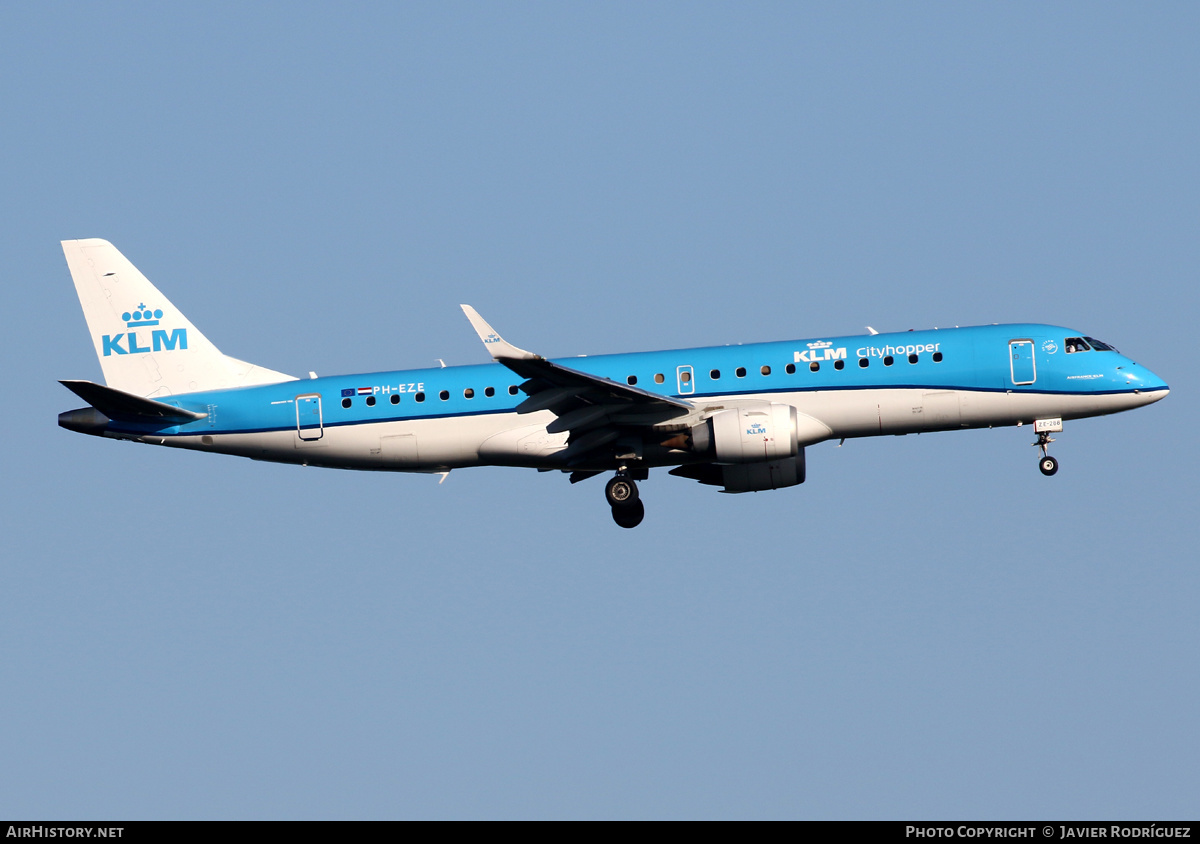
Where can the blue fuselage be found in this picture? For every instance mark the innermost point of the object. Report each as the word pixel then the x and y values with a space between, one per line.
pixel 434 419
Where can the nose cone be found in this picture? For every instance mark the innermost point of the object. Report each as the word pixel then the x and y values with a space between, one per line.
pixel 1145 383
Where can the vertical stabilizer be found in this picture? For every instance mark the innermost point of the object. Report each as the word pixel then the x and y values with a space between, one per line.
pixel 145 345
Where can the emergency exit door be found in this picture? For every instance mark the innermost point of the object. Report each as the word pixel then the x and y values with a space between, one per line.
pixel 685 380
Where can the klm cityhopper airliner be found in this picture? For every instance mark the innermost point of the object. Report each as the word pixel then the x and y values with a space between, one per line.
pixel 737 417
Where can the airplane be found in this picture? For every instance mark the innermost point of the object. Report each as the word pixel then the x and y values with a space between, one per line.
pixel 738 417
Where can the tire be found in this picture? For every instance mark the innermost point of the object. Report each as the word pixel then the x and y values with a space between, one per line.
pixel 621 492
pixel 629 515
pixel 1048 465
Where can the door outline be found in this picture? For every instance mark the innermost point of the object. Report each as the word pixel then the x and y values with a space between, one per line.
pixel 686 386
pixel 306 434
pixel 1015 347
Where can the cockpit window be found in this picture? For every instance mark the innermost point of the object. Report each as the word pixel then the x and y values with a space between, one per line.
pixel 1099 346
pixel 1076 344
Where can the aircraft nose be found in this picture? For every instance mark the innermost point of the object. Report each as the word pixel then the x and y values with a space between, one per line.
pixel 1153 382
pixel 1146 382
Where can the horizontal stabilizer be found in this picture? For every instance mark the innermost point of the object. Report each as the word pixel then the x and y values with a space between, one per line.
pixel 127 407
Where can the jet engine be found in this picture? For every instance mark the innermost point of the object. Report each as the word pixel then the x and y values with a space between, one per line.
pixel 749 433
pixel 756 445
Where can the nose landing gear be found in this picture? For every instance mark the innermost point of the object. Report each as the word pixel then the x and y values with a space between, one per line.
pixel 1047 464
pixel 622 494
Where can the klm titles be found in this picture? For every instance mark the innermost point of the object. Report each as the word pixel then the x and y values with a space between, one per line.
pixel 160 340
pixel 822 350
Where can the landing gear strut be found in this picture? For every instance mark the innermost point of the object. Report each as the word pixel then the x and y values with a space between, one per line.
pixel 1048 465
pixel 622 494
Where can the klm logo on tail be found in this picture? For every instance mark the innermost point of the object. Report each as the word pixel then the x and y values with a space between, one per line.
pixel 160 339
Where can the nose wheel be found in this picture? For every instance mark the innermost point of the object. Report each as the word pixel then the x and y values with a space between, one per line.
pixel 1047 464
pixel 622 494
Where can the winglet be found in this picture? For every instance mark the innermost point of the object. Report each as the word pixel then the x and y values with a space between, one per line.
pixel 496 345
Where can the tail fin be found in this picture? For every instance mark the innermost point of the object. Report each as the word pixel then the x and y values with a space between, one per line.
pixel 147 347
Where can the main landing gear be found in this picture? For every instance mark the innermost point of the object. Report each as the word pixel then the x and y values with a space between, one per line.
pixel 622 494
pixel 1047 464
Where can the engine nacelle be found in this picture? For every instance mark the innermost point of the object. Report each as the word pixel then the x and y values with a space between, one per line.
pixel 752 432
pixel 769 474
pixel 747 477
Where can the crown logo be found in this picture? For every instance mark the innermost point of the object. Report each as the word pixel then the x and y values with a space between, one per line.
pixel 820 344
pixel 142 316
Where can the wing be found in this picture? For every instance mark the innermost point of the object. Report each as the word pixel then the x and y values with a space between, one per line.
pixel 600 414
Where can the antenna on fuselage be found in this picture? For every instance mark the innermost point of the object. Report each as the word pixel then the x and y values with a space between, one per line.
pixel 872 330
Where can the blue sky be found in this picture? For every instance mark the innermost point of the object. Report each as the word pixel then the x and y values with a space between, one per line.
pixel 928 628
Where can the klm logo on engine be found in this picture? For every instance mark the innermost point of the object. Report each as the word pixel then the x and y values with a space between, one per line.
pixel 756 429
pixel 126 343
pixel 819 351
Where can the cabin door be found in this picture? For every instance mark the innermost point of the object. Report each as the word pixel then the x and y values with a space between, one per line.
pixel 1022 366
pixel 308 417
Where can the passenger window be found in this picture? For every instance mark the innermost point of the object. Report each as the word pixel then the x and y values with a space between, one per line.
pixel 913 358
pixel 631 380
pixel 814 366
pixel 839 364
pixel 512 390
pixel 468 393
pixel 790 369
pixel 395 398
pixel 489 391
pixel 937 357
pixel 346 403
pixel 766 370
pixel 740 372
pixel 444 395
pixel 888 361
pixel 420 397
pixel 714 374
pixel 864 362
pixel 685 377
pixel 370 401
pixel 658 378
